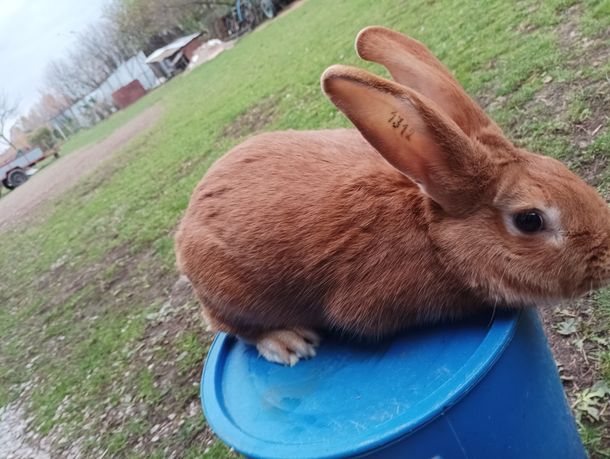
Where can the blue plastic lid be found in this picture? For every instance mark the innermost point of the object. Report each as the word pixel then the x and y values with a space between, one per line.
pixel 350 398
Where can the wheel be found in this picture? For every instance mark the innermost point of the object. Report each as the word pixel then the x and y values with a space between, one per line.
pixel 267 7
pixel 16 177
pixel 247 15
pixel 7 185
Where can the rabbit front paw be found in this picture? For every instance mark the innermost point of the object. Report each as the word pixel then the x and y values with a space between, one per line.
pixel 288 346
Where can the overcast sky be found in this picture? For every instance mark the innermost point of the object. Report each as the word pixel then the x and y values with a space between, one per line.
pixel 32 32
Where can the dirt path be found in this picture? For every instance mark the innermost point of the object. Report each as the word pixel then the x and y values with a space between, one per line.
pixel 14 440
pixel 67 171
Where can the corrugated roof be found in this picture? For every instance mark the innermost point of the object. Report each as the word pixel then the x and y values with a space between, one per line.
pixel 168 50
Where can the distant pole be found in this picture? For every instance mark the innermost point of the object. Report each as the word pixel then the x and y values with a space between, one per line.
pixel 58 128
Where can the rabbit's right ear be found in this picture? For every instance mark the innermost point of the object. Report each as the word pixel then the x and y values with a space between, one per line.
pixel 413 135
pixel 413 65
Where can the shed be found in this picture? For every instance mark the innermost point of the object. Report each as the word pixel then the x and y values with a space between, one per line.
pixel 165 62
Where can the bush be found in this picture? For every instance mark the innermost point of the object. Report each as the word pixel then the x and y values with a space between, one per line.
pixel 43 138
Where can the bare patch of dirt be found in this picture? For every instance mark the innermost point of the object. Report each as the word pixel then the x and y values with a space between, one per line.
pixel 577 369
pixel 582 122
pixel 252 120
pixel 15 441
pixel 578 336
pixel 67 171
pixel 585 51
pixel 591 170
pixel 585 132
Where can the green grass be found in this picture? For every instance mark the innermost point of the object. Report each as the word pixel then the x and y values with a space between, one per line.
pixel 77 286
pixel 102 130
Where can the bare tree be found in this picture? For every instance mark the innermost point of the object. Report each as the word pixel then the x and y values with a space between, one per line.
pixel 87 66
pixel 61 80
pixel 44 110
pixel 49 106
pixel 100 47
pixel 8 110
pixel 87 70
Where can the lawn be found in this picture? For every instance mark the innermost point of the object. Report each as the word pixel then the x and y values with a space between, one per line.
pixel 102 130
pixel 106 346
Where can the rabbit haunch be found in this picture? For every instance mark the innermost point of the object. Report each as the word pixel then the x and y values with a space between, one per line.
pixel 425 212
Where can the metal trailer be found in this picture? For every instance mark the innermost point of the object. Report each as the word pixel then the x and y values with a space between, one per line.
pixel 15 172
pixel 247 14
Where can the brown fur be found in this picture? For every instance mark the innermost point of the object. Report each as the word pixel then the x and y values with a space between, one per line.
pixel 370 232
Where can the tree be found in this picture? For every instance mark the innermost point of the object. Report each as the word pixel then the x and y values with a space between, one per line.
pixel 98 54
pixel 95 57
pixel 8 110
pixel 62 81
pixel 42 112
pixel 99 51
pixel 43 138
pixel 149 24
pixel 47 107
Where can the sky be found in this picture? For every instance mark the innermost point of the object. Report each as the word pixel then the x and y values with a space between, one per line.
pixel 33 32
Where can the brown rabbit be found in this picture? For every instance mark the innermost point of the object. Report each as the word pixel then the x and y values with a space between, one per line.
pixel 425 212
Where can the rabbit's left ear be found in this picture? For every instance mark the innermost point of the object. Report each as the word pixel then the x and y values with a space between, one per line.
pixel 411 133
pixel 413 65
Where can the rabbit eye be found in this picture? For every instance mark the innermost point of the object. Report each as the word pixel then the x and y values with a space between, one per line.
pixel 529 222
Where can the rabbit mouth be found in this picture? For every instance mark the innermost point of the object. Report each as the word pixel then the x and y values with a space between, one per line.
pixel 519 291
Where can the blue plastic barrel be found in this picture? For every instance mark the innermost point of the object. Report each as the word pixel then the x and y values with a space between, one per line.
pixel 476 389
